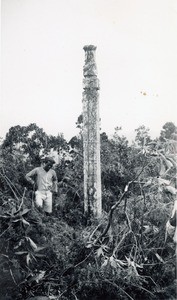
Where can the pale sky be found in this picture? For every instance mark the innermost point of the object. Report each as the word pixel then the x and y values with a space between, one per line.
pixel 42 60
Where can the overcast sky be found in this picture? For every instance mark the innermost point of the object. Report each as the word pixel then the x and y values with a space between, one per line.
pixel 42 63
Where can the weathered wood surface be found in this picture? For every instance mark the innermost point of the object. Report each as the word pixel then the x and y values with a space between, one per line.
pixel 91 135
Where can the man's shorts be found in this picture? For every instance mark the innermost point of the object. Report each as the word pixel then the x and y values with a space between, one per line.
pixel 44 199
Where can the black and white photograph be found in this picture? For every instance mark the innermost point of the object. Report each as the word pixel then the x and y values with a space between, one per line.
pixel 88 150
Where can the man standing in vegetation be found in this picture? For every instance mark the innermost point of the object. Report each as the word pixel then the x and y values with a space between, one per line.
pixel 45 179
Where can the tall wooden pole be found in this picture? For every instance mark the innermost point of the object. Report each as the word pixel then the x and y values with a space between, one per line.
pixel 91 136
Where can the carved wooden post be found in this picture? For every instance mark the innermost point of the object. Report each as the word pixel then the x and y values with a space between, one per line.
pixel 91 136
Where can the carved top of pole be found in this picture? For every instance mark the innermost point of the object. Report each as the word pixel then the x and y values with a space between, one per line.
pixel 90 68
pixel 89 47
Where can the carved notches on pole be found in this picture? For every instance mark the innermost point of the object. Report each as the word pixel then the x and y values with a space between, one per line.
pixel 90 68
pixel 91 135
pixel 90 80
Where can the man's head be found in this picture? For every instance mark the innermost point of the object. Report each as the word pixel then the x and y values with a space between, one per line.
pixel 48 163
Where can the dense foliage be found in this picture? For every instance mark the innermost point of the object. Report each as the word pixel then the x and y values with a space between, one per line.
pixel 128 254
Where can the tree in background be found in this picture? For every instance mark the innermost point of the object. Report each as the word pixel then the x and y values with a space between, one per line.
pixel 167 131
pixel 142 135
pixel 32 142
pixel 28 140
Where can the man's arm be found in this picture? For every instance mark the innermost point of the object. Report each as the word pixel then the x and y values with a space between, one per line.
pixel 31 174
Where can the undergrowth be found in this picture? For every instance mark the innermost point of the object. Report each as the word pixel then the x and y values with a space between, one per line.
pixel 126 254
